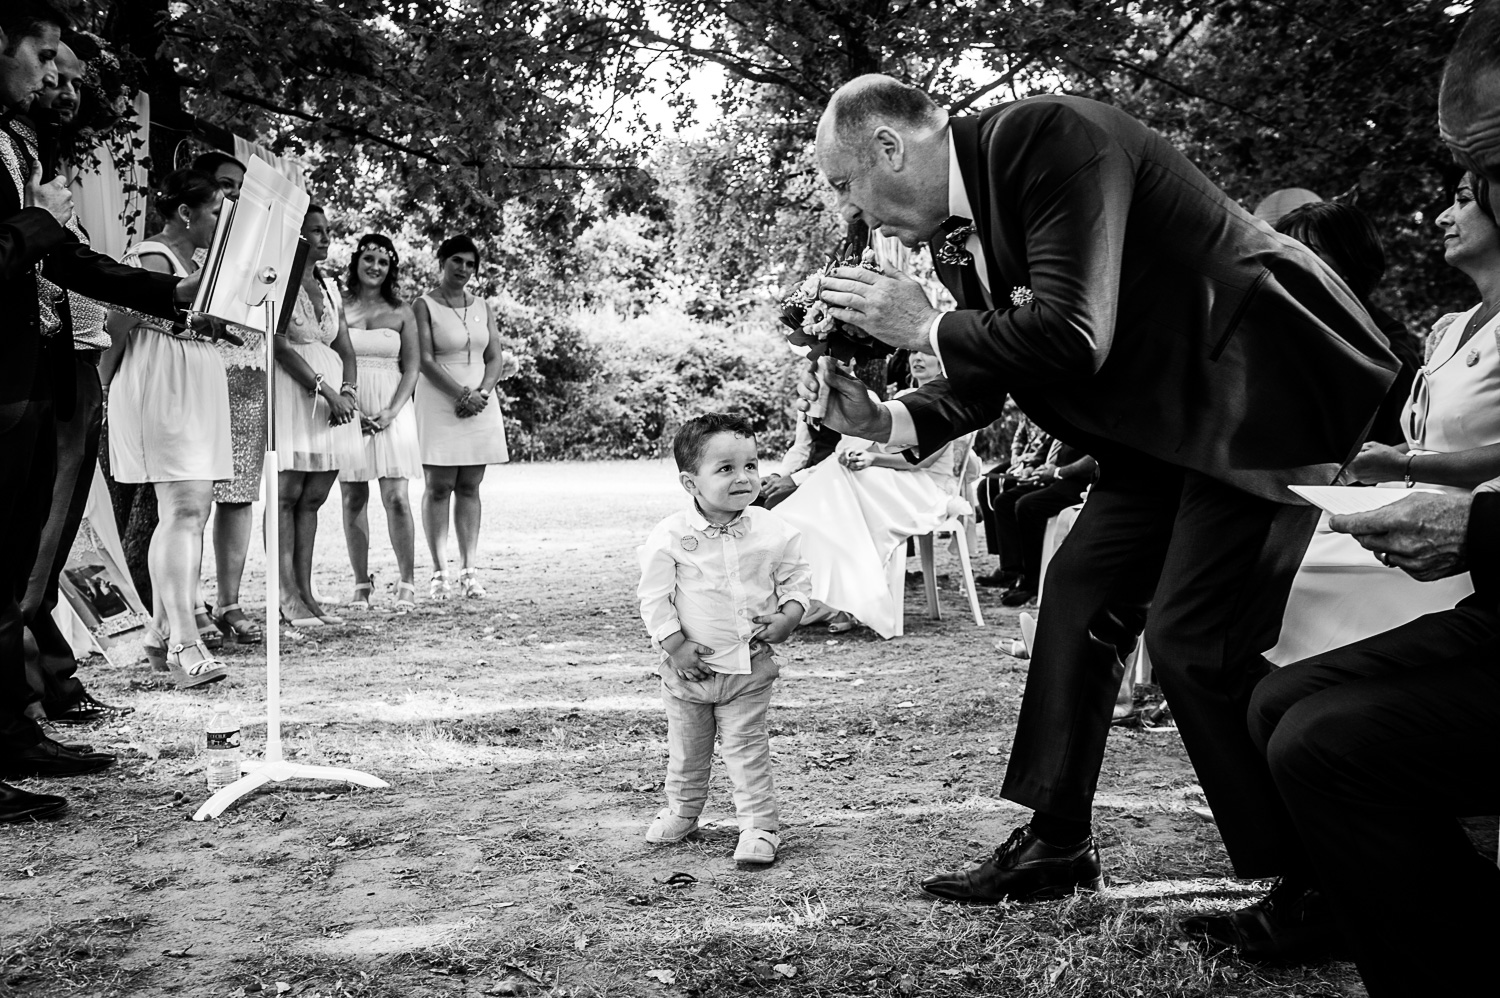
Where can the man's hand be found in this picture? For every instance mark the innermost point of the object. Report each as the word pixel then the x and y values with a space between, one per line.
pixel 1423 534
pixel 1377 462
pixel 776 627
pixel 687 661
pixel 892 308
pixel 55 196
pixel 777 487
pixel 848 407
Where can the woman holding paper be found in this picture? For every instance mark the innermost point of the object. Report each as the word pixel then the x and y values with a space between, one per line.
pixel 169 425
pixel 317 428
pixel 1452 425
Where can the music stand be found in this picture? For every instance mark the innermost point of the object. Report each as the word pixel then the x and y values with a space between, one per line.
pixel 259 285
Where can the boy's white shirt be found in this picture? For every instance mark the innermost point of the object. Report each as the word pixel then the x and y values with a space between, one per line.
pixel 711 583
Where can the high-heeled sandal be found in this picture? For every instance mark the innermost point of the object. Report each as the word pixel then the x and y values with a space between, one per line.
pixel 439 588
pixel 363 591
pixel 243 631
pixel 207 632
pixel 409 601
pixel 470 585
pixel 202 672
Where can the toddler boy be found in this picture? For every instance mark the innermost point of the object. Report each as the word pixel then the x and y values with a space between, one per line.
pixel 720 584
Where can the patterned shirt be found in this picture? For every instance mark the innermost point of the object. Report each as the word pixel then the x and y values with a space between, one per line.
pixel 711 582
pixel 88 315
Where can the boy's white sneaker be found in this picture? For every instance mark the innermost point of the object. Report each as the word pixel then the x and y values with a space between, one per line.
pixel 757 846
pixel 669 827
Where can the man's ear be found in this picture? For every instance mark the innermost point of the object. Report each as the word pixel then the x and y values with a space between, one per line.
pixel 890 146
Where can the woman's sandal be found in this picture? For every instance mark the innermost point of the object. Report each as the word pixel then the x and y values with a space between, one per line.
pixel 155 649
pixel 242 631
pixel 439 588
pixel 409 601
pixel 301 621
pixel 200 673
pixel 470 585
pixel 363 591
pixel 841 622
pixel 207 632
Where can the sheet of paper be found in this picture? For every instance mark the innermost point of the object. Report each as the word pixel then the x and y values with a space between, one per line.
pixel 1344 499
pixel 257 238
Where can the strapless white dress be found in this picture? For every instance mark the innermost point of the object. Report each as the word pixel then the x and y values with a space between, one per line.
pixel 393 452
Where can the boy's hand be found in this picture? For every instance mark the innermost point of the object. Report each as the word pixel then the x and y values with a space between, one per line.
pixel 687 661
pixel 774 628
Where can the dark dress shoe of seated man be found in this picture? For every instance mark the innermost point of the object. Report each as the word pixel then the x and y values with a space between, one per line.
pixel 21 805
pixel 1294 923
pixel 50 758
pixel 1023 869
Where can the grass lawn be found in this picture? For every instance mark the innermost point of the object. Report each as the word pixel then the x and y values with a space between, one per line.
pixel 525 743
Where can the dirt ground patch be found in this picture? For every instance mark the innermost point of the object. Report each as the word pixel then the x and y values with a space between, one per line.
pixel 525 745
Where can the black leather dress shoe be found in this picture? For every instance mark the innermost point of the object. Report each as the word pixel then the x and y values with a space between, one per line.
pixel 19 805
pixel 1023 869
pixel 85 711
pixel 1292 924
pixel 1017 597
pixel 999 579
pixel 50 758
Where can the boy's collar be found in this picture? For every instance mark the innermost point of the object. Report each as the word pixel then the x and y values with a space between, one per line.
pixel 734 528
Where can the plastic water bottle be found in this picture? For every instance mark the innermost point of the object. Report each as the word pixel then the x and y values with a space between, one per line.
pixel 223 746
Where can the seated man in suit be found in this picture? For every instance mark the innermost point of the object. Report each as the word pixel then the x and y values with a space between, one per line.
pixel 998 491
pixel 1133 309
pixel 1378 748
pixel 1060 481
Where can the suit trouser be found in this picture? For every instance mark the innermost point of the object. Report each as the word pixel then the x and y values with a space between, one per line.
pixel 1214 565
pixel 997 511
pixel 1378 748
pixel 27 455
pixel 1032 511
pixel 52 673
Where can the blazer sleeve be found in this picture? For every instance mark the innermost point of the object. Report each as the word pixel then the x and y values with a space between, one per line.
pixel 1073 180
pixel 25 238
pixel 1482 544
pixel 74 266
pixel 939 415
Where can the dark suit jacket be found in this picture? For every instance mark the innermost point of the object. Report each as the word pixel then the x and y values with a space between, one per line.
pixel 31 366
pixel 1165 319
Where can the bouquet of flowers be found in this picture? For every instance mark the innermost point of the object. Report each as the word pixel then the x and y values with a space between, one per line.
pixel 812 327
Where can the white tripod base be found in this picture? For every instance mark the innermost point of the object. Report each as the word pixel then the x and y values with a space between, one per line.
pixel 279 771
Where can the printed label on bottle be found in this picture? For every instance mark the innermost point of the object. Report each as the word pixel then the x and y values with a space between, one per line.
pixel 223 739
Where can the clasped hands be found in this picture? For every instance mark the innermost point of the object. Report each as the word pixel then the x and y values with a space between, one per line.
pixel 1424 534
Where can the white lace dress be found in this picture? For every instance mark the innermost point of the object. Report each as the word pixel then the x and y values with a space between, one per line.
pixel 304 439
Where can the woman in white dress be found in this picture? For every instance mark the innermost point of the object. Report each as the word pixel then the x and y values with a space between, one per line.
pixel 855 514
pixel 1452 424
pixel 169 425
pixel 317 427
pixel 459 427
pixel 383 332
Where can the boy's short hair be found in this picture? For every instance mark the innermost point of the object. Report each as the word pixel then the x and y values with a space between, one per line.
pixel 692 437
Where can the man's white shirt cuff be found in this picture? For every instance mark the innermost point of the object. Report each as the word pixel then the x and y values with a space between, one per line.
pixel 903 428
pixel 932 337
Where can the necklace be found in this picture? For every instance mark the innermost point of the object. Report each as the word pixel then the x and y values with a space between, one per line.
pixel 463 318
pixel 1476 323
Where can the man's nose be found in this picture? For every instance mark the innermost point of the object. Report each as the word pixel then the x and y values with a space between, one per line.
pixel 848 212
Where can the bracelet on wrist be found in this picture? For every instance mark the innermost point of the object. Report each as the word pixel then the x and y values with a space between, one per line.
pixel 349 388
pixel 1407 474
pixel 317 386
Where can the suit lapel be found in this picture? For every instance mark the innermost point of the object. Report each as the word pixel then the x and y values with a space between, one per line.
pixel 999 259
